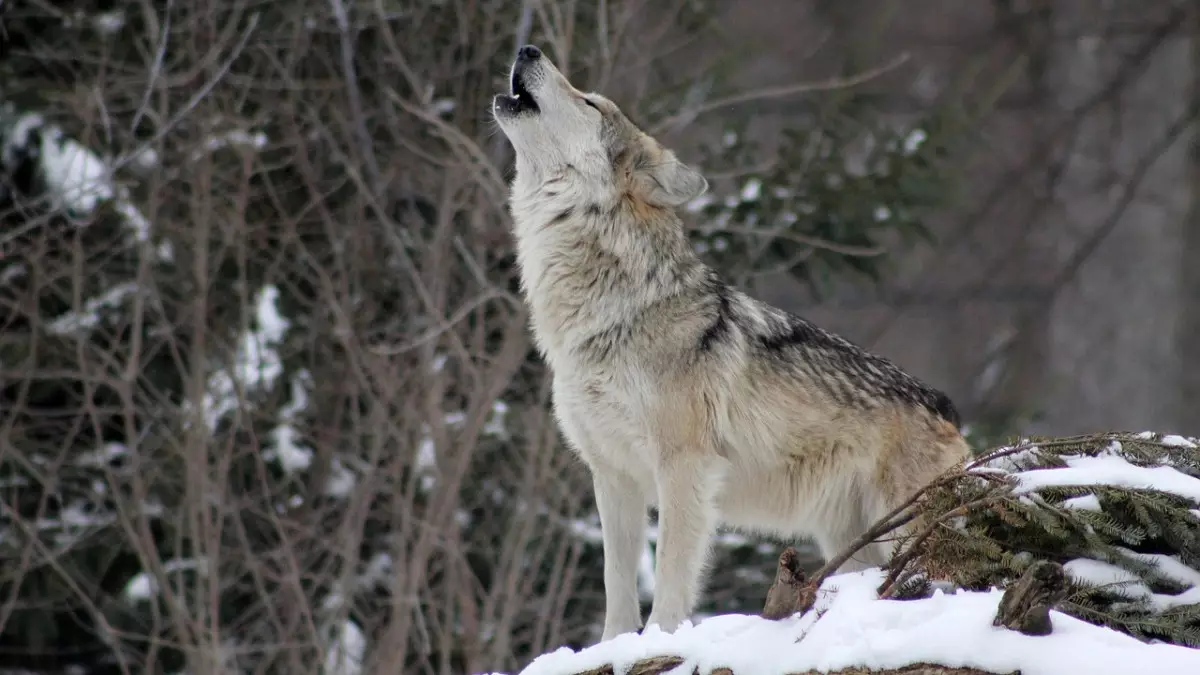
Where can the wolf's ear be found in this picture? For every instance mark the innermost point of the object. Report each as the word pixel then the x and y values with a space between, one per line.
pixel 669 183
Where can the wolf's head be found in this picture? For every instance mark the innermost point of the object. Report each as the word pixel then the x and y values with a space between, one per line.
pixel 556 129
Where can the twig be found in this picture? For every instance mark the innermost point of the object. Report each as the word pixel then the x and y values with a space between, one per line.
pixel 1133 67
pixel 675 121
pixel 195 99
pixel 475 158
pixel 815 242
pixel 433 333
pixel 897 565
pixel 888 523
pixel 353 94
pixel 160 57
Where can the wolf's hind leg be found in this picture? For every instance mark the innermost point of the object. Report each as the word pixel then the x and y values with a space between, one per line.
pixel 846 525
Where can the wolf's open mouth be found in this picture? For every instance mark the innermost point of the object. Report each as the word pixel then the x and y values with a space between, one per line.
pixel 517 87
pixel 519 100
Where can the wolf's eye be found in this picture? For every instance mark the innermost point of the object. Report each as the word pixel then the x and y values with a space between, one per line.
pixel 593 105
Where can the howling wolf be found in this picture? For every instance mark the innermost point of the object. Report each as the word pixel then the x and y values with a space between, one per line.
pixel 678 390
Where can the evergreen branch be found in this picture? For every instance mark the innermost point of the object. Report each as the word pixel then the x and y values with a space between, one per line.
pixel 897 565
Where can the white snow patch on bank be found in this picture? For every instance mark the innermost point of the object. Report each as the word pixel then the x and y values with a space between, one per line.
pixel 851 627
pixel 1178 441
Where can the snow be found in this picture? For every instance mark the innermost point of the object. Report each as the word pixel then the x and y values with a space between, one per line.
pixel 1128 584
pixel 1097 573
pixel 143 586
pixel 851 627
pixel 1014 458
pixel 102 456
pixel 1084 503
pixel 257 363
pixel 646 581
pixel 1110 470
pixel 699 203
pixel 345 654
pixel 145 158
pixel 587 530
pixel 286 447
pixel 1178 441
pixel 110 22
pixel 1169 567
pixel 495 424
pixel 237 138
pixel 751 190
pixel 439 362
pixel 75 176
pixel 426 463
pixel 77 322
pixel 135 221
pixel 914 140
pixel 77 180
pixel 18 137
pixel 341 480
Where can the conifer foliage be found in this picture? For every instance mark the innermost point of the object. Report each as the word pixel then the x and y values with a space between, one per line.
pixel 1119 511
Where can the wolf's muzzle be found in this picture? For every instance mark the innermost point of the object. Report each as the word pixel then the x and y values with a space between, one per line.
pixel 520 100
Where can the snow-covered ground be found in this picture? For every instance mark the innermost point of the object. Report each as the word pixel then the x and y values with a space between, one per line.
pixel 850 626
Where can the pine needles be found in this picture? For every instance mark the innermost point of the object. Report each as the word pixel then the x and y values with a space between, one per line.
pixel 1120 512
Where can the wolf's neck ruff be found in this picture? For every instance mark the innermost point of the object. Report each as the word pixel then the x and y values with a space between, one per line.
pixel 590 277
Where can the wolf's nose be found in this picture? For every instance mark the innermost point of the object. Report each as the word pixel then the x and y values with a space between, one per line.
pixel 529 53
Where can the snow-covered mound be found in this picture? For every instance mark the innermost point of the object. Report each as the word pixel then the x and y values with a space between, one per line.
pixel 851 627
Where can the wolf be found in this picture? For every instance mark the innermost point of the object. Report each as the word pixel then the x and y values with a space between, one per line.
pixel 677 390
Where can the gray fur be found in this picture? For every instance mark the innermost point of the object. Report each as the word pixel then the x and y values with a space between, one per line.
pixel 678 390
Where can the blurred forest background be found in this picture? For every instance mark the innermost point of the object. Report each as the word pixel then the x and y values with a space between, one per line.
pixel 268 402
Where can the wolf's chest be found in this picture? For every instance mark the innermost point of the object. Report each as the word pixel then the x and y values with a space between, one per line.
pixel 612 396
pixel 607 424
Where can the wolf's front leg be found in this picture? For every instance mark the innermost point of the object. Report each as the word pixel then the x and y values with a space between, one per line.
pixel 687 520
pixel 622 508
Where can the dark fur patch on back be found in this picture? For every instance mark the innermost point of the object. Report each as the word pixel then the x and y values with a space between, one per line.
pixel 722 324
pixel 796 332
pixel 848 373
pixel 944 407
